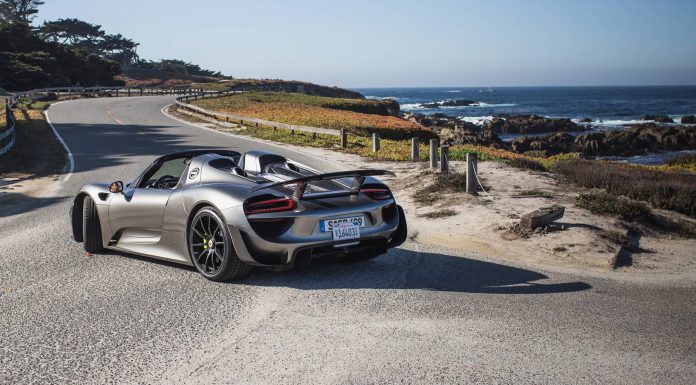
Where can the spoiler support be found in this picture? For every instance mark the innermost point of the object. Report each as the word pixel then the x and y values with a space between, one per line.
pixel 301 183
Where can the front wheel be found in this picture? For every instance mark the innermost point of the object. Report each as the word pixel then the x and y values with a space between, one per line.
pixel 210 247
pixel 91 228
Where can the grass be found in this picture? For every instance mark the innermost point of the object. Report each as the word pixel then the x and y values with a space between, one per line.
pixel 360 116
pixel 661 189
pixel 36 152
pixel 685 163
pixel 439 214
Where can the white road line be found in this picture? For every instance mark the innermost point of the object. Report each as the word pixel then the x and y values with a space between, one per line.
pixel 71 160
pixel 164 112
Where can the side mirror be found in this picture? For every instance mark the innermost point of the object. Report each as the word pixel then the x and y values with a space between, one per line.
pixel 116 187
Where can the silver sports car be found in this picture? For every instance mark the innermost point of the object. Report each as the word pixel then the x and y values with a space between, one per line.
pixel 225 212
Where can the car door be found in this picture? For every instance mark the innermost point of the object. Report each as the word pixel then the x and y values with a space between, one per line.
pixel 137 214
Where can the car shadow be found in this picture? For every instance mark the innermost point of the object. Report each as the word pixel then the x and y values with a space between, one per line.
pixel 12 203
pixel 407 269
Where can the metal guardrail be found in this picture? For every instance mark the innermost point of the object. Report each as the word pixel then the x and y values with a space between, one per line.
pixel 181 103
pixel 7 135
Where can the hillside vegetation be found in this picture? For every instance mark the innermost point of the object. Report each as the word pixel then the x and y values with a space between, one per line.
pixel 360 116
pixel 279 85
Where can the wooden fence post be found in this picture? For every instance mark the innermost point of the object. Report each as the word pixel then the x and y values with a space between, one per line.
pixel 433 153
pixel 471 184
pixel 415 149
pixel 141 91
pixel 375 142
pixel 8 113
pixel 444 159
pixel 344 138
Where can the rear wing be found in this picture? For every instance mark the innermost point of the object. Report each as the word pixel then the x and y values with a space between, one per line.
pixel 301 183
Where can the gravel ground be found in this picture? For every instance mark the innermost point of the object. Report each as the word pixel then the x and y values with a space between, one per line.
pixel 419 314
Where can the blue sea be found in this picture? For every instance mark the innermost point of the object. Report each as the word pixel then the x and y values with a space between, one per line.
pixel 612 105
pixel 608 107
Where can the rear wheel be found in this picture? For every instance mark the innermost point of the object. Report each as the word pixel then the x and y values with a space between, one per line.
pixel 91 228
pixel 210 247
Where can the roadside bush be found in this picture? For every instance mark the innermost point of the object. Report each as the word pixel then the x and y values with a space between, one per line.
pixel 683 163
pixel 662 189
pixel 603 203
pixel 526 164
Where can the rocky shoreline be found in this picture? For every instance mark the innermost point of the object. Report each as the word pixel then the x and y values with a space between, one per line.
pixel 556 139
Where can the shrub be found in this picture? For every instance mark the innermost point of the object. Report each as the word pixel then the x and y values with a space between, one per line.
pixel 604 203
pixel 662 189
pixel 439 214
pixel 535 193
pixel 526 164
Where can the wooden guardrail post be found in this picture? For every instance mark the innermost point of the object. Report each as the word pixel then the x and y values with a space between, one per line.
pixel 375 142
pixel 433 153
pixel 344 138
pixel 444 159
pixel 471 184
pixel 141 91
pixel 415 149
pixel 8 113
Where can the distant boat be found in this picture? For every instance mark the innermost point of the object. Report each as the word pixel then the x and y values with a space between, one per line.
pixel 489 89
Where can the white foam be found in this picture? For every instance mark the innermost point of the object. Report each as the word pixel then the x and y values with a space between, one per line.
pixel 412 106
pixel 478 120
pixel 452 91
pixel 372 97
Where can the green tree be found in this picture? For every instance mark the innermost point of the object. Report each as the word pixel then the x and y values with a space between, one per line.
pixel 73 32
pixel 19 11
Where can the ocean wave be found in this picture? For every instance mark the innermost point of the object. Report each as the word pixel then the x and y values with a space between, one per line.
pixel 412 106
pixel 476 104
pixel 372 97
pixel 452 91
pixel 478 120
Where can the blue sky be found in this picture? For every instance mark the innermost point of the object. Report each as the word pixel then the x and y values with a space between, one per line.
pixel 412 43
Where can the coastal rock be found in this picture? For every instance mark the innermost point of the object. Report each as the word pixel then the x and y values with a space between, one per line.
pixel 658 118
pixel 459 135
pixel 688 119
pixel 452 130
pixel 639 139
pixel 530 124
pixel 585 120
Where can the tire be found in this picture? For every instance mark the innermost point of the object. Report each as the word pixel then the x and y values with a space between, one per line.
pixel 91 228
pixel 211 249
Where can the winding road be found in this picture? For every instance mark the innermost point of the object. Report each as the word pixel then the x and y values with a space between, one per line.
pixel 416 315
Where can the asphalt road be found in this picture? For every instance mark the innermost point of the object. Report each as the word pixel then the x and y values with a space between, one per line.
pixel 415 315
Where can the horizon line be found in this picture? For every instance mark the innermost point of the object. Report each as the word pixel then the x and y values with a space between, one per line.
pixel 528 86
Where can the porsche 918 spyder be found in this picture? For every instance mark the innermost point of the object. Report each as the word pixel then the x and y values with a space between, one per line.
pixel 225 212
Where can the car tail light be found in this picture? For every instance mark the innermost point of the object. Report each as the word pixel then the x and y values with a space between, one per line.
pixel 377 193
pixel 269 204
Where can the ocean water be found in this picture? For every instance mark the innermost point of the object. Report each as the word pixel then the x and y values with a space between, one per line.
pixel 609 107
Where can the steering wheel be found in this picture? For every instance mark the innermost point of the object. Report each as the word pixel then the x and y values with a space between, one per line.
pixel 166 182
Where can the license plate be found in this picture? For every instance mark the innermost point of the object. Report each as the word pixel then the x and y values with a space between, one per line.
pixel 343 228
